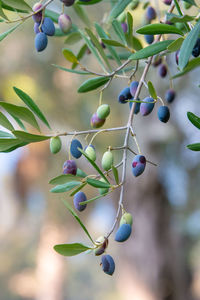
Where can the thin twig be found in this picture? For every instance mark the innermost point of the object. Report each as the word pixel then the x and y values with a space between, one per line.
pixel 30 15
pixel 90 131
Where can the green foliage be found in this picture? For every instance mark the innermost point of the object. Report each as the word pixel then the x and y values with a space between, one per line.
pixel 188 45
pixel 151 50
pixel 71 249
pixel 195 120
pixel 159 29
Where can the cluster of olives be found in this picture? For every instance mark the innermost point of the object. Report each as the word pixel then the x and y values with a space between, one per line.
pixel 70 166
pixel 146 107
pixel 44 26
pixel 99 117
pixel 122 234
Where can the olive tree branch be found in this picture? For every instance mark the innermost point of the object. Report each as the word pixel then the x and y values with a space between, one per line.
pixel 22 19
pixel 129 127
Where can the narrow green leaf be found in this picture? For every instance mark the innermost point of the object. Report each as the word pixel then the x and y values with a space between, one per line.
pixel 80 55
pixel 194 147
pixel 2 13
pixel 19 4
pixel 152 90
pixel 6 144
pixel 137 45
pixel 64 178
pixel 5 134
pixel 70 249
pixel 6 33
pixel 69 55
pixel 12 148
pixel 129 35
pixel 80 173
pixel 151 50
pixel 21 113
pixel 92 49
pixel 32 105
pixel 81 13
pixel 118 9
pixel 97 183
pixel 92 84
pixel 122 56
pixel 188 45
pixel 29 137
pixel 194 119
pixel 5 122
pixel 62 188
pixel 72 38
pixel 19 122
pixel 176 45
pixel 72 71
pixel 10 8
pixel 113 43
pixel 193 64
pixel 159 29
pixel 95 198
pixel 112 51
pixel 190 1
pixel 94 165
pixel 80 187
pixel 116 175
pixel 98 46
pixel 179 19
pixel 89 2
pixel 119 31
pixel 77 218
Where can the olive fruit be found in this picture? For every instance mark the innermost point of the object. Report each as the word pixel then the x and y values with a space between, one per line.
pixel 103 111
pixel 70 167
pixel 163 114
pixel 150 13
pixel 102 243
pixel 48 27
pixel 41 41
pixel 55 144
pixel 123 233
pixel 126 219
pixel 108 264
pixel 149 38
pixel 75 152
pixel 96 122
pixel 124 95
pixel 138 165
pixel 90 151
pixel 147 107
pixel 170 95
pixel 80 197
pixel 124 27
pixel 107 160
pixel 133 87
pixel 65 23
pixel 68 2
pixel 37 17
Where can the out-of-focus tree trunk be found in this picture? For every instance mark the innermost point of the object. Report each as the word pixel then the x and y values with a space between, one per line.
pixel 50 268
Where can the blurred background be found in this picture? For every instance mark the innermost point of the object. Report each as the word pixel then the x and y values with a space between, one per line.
pixel 161 260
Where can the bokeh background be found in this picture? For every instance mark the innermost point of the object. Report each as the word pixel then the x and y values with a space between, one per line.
pixel 161 260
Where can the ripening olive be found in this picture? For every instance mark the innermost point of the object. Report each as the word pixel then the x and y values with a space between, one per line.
pixel 108 264
pixel 55 144
pixel 107 160
pixel 123 233
pixel 103 111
